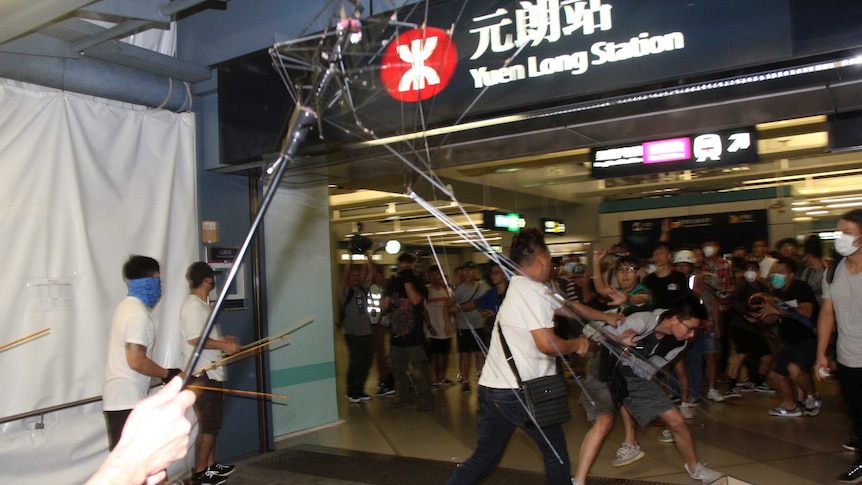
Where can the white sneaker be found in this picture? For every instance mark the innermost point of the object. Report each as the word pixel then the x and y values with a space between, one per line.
pixel 628 454
pixel 715 395
pixel 687 409
pixel 704 474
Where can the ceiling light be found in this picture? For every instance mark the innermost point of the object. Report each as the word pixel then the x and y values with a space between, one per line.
pixel 816 213
pixel 806 208
pixel 841 199
pixel 846 204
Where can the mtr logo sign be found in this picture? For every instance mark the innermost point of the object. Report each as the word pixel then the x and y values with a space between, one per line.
pixel 418 64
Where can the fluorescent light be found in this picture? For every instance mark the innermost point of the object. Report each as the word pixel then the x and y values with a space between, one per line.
pixel 806 208
pixel 841 199
pixel 846 204
pixel 803 219
pixel 816 213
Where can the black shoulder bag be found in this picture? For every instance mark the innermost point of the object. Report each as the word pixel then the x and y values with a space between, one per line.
pixel 546 398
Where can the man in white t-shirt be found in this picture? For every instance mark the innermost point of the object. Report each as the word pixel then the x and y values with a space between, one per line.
pixel 526 320
pixel 841 311
pixel 130 346
pixel 209 406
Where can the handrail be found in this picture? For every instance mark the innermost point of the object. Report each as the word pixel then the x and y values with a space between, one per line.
pixel 50 409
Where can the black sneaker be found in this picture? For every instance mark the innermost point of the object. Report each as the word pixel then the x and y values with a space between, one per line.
pixel 208 477
pixel 851 445
pixel 853 475
pixel 222 470
pixel 385 390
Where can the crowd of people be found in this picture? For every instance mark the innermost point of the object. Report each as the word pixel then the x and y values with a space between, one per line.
pixel 651 330
pixel 685 324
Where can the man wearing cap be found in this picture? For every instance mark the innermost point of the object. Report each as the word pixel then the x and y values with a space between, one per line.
pixel 209 405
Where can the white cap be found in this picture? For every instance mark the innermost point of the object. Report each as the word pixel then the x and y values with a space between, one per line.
pixel 683 256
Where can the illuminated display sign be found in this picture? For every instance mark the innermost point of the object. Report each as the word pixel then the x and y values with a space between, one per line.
pixel 725 147
pixel 553 226
pixel 508 221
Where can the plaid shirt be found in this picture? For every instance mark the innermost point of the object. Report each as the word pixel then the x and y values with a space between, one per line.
pixel 722 287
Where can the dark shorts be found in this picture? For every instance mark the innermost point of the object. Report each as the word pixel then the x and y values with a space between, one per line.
pixel 116 420
pixel 209 405
pixel 802 354
pixel 467 341
pixel 439 345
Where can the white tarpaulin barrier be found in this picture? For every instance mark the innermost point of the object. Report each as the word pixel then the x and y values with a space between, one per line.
pixel 85 183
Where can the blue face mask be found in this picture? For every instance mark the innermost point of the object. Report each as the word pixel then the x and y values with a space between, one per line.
pixel 777 280
pixel 148 290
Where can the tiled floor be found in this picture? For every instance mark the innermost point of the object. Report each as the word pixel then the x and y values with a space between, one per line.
pixel 735 437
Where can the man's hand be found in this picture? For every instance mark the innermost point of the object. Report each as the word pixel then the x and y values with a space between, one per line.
pixel 230 345
pixel 617 297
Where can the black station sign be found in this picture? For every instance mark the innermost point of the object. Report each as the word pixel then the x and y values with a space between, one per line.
pixel 704 150
pixel 505 55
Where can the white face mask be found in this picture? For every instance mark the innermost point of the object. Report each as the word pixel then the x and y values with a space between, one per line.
pixel 708 251
pixel 844 244
pixel 750 275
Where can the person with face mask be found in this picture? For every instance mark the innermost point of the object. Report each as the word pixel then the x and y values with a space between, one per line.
pixel 789 310
pixel 841 310
pixel 130 346
pixel 751 348
pixel 717 278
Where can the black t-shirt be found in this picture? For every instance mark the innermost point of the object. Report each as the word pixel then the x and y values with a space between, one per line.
pixel 665 290
pixel 398 300
pixel 791 331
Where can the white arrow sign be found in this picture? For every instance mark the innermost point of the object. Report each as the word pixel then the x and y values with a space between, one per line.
pixel 739 141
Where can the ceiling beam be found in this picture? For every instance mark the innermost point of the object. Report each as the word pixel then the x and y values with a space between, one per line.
pixel 20 17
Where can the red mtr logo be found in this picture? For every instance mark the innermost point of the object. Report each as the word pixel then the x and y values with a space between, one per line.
pixel 418 64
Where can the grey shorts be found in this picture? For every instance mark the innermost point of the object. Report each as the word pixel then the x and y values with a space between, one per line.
pixel 645 401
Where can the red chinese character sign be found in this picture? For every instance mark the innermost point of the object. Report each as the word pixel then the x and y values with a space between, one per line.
pixel 418 64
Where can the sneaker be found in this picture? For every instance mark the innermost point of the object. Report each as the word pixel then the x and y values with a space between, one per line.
pixel 363 397
pixel 702 473
pixel 853 475
pixel 445 382
pixel 733 392
pixel 811 406
pixel 222 470
pixel 459 377
pixel 746 386
pixel 628 454
pixel 666 436
pixel 782 411
pixel 676 399
pixel 465 387
pixel 384 390
pixel 687 409
pixel 435 387
pixel 715 395
pixel 208 477
pixel 353 399
pixel 763 389
pixel 851 445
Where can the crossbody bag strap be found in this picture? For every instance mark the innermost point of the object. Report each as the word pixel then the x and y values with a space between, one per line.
pixel 507 352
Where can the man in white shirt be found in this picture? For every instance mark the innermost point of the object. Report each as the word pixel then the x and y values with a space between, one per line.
pixel 526 320
pixel 130 346
pixel 209 406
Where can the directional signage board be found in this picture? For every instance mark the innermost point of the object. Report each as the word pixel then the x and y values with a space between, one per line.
pixel 704 150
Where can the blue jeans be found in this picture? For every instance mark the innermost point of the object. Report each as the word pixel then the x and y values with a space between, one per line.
pixel 500 413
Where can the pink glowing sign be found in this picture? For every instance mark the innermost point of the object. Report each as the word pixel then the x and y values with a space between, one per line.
pixel 671 150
